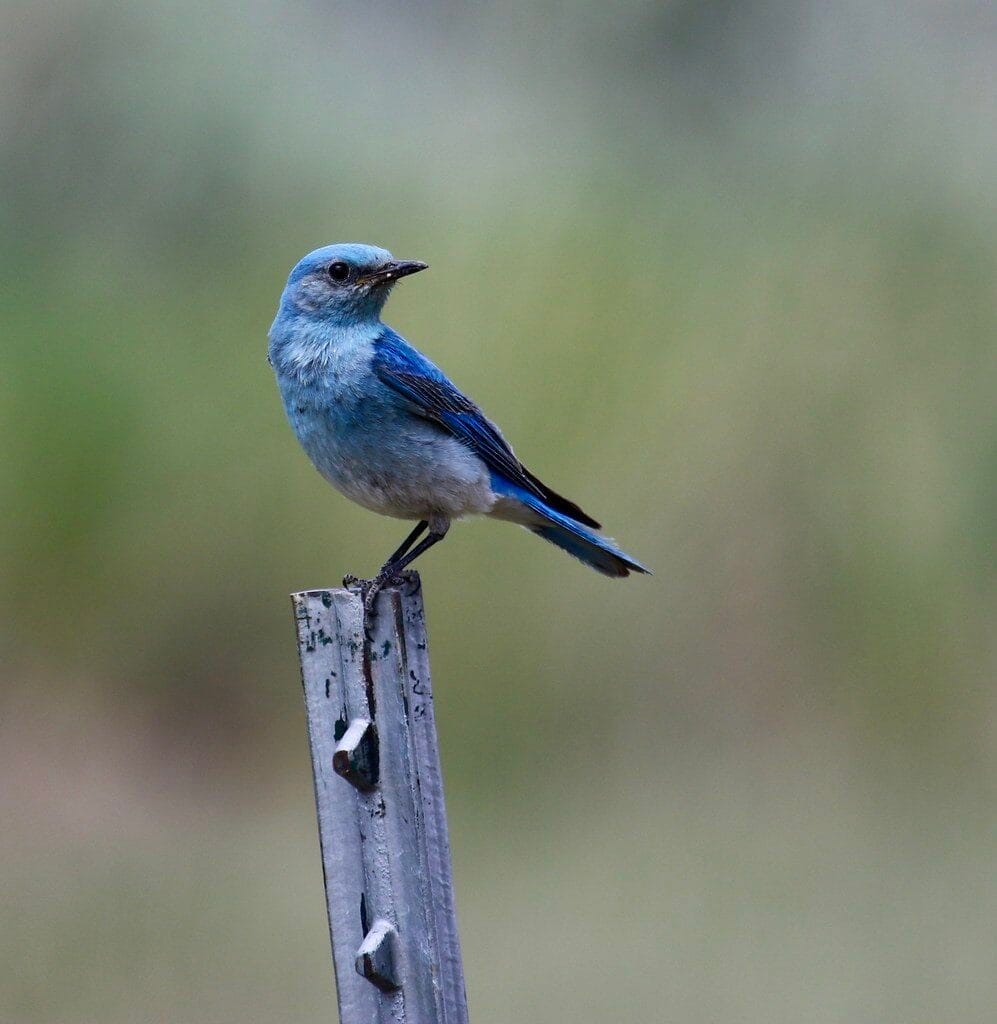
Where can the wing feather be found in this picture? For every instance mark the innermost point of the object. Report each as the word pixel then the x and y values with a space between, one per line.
pixel 431 395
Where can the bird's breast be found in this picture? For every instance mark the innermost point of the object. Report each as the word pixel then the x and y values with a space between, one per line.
pixel 373 450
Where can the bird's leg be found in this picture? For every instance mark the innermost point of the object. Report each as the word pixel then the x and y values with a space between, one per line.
pixel 407 543
pixel 349 579
pixel 437 531
pixel 395 567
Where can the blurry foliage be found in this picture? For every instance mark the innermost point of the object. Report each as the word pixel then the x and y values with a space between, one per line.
pixel 725 275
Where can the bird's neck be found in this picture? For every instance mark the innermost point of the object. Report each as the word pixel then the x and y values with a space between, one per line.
pixel 305 347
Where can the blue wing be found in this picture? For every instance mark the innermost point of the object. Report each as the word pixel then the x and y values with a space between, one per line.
pixel 429 394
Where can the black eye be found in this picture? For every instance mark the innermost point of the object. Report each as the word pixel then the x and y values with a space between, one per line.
pixel 339 272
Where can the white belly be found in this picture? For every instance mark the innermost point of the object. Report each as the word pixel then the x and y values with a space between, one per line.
pixel 436 478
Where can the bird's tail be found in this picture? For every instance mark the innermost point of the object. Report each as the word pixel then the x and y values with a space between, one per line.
pixel 590 548
pixel 601 553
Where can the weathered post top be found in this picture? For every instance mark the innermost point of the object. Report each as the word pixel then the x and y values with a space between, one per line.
pixel 379 795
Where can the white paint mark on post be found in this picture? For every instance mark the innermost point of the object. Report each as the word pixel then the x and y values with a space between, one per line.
pixel 379 795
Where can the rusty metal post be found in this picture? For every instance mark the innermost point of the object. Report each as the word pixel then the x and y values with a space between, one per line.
pixel 379 794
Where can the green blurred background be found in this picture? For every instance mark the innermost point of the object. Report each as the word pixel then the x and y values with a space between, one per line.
pixel 725 273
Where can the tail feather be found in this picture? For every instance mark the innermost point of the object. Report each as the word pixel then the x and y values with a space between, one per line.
pixel 561 504
pixel 594 551
pixel 601 553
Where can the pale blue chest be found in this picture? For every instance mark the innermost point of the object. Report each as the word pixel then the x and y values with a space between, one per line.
pixel 332 411
pixel 365 439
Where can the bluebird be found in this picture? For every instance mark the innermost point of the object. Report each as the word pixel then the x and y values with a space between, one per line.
pixel 387 428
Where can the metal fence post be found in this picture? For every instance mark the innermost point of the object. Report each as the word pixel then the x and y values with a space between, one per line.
pixel 379 794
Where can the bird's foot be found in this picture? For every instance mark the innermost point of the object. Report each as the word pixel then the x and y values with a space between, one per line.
pixel 371 588
pixel 368 588
pixel 371 591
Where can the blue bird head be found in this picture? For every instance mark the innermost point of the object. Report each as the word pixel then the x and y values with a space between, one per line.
pixel 347 283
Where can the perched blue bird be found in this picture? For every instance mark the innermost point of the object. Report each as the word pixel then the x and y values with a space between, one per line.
pixel 386 428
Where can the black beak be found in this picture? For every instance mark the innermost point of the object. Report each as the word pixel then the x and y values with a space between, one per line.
pixel 394 270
